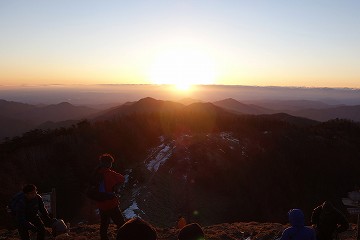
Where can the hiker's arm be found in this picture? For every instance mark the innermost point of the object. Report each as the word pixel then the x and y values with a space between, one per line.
pixel 118 185
pixel 44 212
pixel 121 178
pixel 343 223
pixel 315 216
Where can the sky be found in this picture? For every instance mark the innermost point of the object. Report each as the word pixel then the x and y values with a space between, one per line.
pixel 308 43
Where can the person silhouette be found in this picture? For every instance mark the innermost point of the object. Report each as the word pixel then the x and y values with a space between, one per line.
pixel 328 221
pixel 27 208
pixel 109 208
pixel 297 231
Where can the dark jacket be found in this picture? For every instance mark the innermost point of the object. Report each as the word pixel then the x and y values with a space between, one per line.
pixel 297 231
pixel 26 210
pixel 328 220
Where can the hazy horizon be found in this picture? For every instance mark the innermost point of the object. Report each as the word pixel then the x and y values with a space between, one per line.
pixel 98 94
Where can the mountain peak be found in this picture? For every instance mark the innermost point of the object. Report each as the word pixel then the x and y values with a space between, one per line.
pixel 64 104
pixel 238 107
pixel 230 100
pixel 148 100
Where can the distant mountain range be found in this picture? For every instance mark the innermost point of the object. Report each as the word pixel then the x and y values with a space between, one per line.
pixel 307 109
pixel 289 105
pixel 238 107
pixel 343 112
pixel 17 118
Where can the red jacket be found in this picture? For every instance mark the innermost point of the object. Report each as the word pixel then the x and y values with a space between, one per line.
pixel 111 179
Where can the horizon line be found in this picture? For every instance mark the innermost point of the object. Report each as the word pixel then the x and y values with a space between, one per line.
pixel 168 85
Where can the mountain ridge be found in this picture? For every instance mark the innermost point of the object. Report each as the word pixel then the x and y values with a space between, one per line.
pixel 26 117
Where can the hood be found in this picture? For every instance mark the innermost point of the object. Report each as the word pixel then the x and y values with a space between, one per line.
pixel 327 207
pixel 296 218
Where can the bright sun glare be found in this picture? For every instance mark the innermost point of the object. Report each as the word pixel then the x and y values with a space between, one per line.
pixel 183 68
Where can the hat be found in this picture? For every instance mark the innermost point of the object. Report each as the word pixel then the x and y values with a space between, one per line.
pixel 106 158
pixel 191 231
pixel 136 228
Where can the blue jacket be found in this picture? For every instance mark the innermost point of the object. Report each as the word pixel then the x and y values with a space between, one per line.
pixel 297 231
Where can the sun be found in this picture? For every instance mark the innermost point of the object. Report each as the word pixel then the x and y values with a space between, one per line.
pixel 182 68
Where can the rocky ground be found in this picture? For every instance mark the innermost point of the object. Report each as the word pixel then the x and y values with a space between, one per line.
pixel 226 231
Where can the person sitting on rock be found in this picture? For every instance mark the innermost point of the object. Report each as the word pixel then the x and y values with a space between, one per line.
pixel 297 231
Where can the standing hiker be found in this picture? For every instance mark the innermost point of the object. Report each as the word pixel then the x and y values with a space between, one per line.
pixel 105 183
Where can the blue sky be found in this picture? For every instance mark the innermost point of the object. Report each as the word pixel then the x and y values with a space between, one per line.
pixel 284 43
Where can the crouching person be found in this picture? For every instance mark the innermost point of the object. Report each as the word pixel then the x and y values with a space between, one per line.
pixel 136 228
pixel 26 207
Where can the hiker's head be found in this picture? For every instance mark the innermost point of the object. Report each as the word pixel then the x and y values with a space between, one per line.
pixel 191 231
pixel 106 160
pixel 136 228
pixel 30 191
pixel 296 217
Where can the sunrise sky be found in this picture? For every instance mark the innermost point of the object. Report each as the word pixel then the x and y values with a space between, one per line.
pixel 312 43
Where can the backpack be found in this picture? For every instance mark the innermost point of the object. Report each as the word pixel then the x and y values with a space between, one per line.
pixel 11 207
pixel 96 190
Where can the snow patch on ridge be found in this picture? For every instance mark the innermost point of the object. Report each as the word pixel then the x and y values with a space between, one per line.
pixel 229 137
pixel 133 210
pixel 159 156
pixel 130 212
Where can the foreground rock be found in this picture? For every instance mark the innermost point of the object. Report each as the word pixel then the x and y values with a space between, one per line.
pixel 225 231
